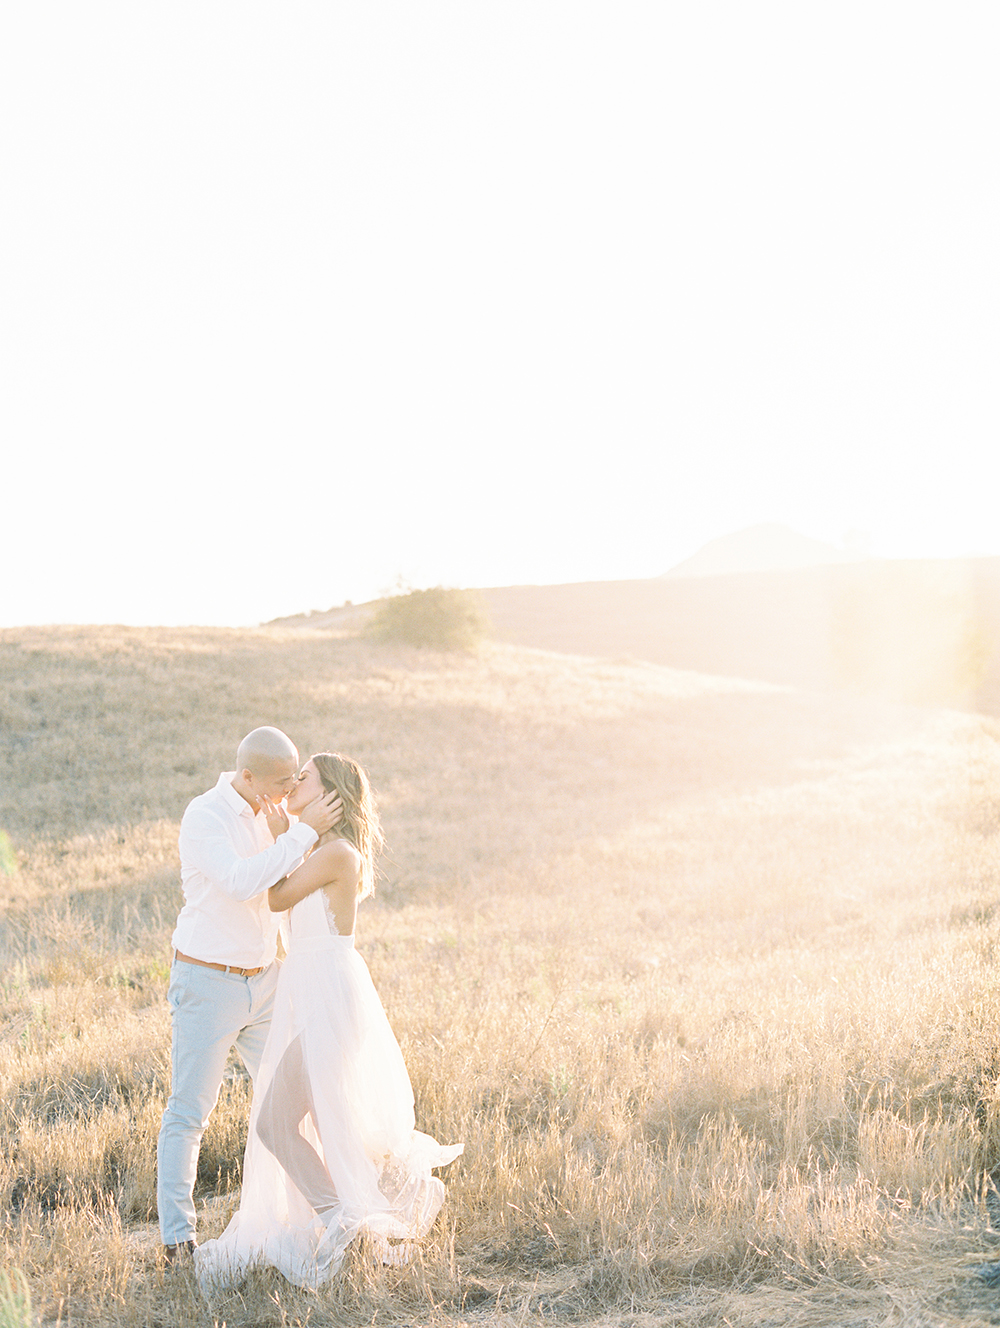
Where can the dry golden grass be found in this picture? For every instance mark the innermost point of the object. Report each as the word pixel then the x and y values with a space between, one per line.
pixel 703 973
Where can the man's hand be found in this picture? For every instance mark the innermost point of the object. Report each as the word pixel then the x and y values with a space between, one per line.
pixel 324 812
pixel 277 819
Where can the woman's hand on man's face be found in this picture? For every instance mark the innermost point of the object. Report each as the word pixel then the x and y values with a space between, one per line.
pixel 324 812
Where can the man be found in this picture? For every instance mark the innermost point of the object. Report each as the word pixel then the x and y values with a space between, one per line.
pixel 235 843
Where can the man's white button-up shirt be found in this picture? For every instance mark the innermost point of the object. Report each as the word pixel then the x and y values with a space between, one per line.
pixel 228 861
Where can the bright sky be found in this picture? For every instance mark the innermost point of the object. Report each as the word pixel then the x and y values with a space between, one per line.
pixel 299 298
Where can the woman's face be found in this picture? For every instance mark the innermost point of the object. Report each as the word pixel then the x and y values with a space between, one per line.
pixel 308 785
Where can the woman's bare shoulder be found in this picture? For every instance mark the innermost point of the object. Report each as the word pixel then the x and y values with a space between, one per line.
pixel 338 855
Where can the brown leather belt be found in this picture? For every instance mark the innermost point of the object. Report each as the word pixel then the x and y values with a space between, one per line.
pixel 222 968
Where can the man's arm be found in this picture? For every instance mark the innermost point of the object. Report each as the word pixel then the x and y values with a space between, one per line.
pixel 206 846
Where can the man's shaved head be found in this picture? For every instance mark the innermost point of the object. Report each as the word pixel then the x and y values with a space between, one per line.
pixel 262 749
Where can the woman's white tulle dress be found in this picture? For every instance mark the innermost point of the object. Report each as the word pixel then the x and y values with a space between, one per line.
pixel 333 1102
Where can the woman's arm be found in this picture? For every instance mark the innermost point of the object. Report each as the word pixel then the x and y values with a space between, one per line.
pixel 335 864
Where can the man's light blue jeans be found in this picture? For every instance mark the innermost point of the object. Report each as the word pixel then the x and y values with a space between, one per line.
pixel 211 1012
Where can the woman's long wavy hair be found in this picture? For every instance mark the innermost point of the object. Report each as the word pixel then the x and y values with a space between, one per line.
pixel 360 824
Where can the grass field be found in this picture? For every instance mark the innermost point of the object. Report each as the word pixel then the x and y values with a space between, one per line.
pixel 703 972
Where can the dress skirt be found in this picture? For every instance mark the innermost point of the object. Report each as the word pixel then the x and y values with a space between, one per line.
pixel 333 1102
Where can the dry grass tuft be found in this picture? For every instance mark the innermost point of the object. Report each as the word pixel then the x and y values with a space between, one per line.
pixel 703 973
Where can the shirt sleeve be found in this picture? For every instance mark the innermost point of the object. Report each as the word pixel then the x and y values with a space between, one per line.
pixel 205 846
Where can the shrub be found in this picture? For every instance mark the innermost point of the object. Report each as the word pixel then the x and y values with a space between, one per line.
pixel 444 618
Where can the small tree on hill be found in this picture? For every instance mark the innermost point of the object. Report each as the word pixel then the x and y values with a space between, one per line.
pixel 442 618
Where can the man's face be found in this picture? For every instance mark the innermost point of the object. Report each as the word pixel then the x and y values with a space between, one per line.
pixel 278 780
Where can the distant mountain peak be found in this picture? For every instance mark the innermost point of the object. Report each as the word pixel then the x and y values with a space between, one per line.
pixel 766 547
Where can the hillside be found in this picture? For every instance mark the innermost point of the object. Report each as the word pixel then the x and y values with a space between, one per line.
pixel 916 631
pixel 702 971
pixel 157 708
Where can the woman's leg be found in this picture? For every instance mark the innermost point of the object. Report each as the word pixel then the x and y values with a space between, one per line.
pixel 286 1104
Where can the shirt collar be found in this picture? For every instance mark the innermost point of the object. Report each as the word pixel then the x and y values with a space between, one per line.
pixel 229 795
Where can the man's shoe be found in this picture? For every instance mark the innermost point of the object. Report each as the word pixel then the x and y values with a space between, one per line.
pixel 176 1253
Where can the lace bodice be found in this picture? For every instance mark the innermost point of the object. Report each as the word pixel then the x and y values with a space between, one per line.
pixel 331 921
pixel 313 917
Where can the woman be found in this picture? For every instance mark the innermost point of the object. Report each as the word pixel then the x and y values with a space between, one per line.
pixel 331 1151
